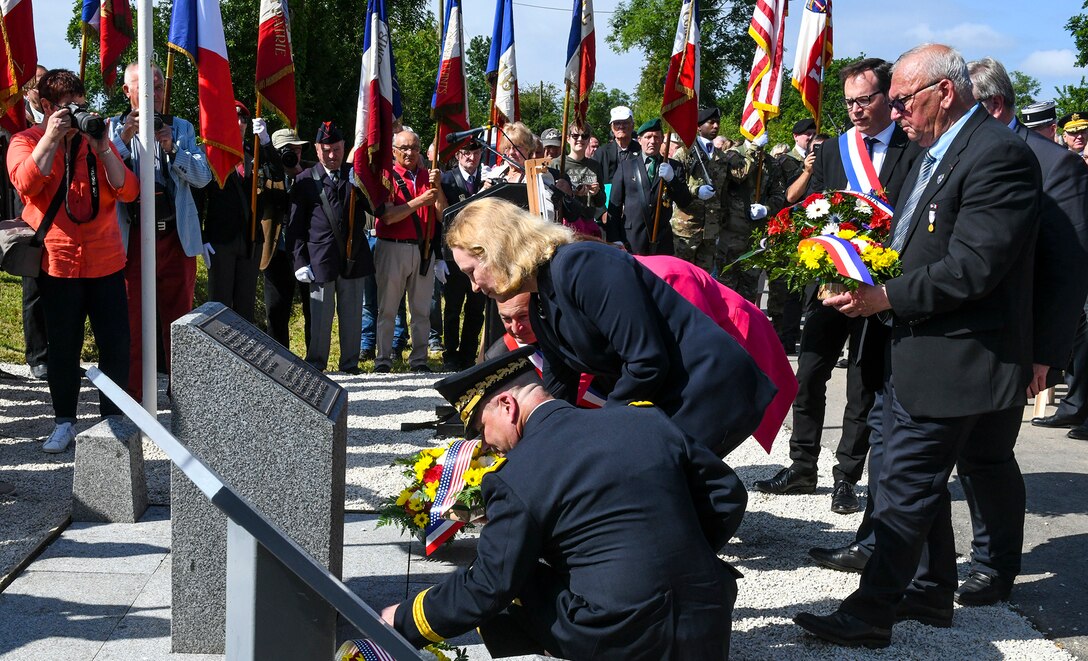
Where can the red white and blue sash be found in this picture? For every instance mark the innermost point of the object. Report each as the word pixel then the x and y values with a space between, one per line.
pixel 860 172
pixel 588 397
pixel 843 254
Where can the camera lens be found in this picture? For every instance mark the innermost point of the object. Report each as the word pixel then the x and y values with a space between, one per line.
pixel 158 122
pixel 288 157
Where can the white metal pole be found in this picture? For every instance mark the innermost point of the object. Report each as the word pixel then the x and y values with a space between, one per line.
pixel 147 207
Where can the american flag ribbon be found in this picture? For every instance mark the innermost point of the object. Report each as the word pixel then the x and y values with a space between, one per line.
pixel 362 650
pixel 454 463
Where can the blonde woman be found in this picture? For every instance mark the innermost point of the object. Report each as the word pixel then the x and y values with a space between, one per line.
pixel 594 309
pixel 517 143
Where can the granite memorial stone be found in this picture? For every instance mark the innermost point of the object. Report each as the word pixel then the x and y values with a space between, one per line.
pixel 276 428
pixel 108 483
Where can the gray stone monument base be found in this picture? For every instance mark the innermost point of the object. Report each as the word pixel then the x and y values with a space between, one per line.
pixel 275 428
pixel 108 484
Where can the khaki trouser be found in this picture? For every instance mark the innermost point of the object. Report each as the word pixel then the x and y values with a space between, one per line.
pixel 397 272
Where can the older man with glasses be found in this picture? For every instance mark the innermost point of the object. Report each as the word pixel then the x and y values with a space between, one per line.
pixel 961 350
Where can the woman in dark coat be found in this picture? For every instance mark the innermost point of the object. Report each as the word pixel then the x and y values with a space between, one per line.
pixel 596 310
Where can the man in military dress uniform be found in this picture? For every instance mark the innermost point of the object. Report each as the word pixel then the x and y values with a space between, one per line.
pixel 696 226
pixel 577 560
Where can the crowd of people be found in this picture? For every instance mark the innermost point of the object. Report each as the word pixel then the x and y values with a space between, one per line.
pixel 634 301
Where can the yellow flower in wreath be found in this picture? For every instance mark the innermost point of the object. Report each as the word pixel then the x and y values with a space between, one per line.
pixel 809 256
pixel 430 490
pixel 404 496
pixel 473 476
pixel 421 520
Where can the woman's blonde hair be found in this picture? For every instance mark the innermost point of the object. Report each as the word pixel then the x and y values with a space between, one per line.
pixel 521 136
pixel 510 241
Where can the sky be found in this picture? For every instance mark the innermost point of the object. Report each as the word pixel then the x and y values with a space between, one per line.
pixel 1030 38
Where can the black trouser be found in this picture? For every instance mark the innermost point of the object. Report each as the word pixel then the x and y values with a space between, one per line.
pixel 280 286
pixel 68 302
pixel 461 347
pixel 33 324
pixel 825 333
pixel 1075 402
pixel 232 276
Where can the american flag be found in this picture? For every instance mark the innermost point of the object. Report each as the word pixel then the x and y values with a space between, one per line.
pixel 765 83
pixel 454 463
pixel 363 650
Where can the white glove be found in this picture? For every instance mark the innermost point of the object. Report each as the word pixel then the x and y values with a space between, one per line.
pixel 260 129
pixel 761 140
pixel 441 270
pixel 757 212
pixel 665 171
pixel 705 192
pixel 305 274
pixel 207 255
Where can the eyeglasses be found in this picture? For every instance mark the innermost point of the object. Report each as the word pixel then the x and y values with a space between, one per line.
pixel 406 147
pixel 578 136
pixel 862 101
pixel 900 104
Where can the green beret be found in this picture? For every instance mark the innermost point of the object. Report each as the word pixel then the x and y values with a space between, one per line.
pixel 650 125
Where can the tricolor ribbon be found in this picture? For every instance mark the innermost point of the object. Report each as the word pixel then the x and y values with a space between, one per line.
pixel 844 255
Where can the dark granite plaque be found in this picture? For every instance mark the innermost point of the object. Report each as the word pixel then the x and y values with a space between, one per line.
pixel 271 358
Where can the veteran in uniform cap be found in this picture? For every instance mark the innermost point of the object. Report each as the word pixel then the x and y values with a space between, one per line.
pixel 1042 118
pixel 697 224
pixel 635 199
pixel 1074 128
pixel 602 534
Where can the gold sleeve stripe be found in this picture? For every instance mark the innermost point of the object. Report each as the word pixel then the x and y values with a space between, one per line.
pixel 641 404
pixel 421 619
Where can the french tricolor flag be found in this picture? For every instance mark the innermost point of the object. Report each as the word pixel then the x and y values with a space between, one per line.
pixel 680 102
pixel 379 106
pixel 843 255
pixel 196 30
pixel 581 56
pixel 449 105
pixel 502 69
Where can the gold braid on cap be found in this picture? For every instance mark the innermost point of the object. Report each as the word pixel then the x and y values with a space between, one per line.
pixel 468 401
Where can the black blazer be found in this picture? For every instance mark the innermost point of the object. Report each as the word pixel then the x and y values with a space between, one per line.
pixel 961 337
pixel 608 155
pixel 828 172
pixel 627 513
pixel 634 199
pixel 455 188
pixel 600 312
pixel 315 240
pixel 1061 254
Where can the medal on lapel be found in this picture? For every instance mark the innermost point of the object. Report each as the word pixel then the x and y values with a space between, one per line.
pixel 932 217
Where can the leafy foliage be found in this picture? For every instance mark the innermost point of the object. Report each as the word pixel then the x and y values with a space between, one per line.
pixel 1026 88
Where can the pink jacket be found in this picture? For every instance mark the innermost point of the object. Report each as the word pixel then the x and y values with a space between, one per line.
pixel 745 322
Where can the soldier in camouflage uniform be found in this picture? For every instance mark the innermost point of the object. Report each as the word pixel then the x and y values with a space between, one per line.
pixel 743 212
pixel 696 226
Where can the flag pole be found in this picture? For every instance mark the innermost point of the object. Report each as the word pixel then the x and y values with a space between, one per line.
pixel 147 144
pixel 563 140
pixel 660 190
pixel 166 83
pixel 253 185
pixel 83 53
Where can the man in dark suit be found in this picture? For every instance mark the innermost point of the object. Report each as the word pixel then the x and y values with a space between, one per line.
pixel 330 249
pixel 578 560
pixel 865 87
pixel 960 351
pixel 646 229
pixel 995 489
pixel 461 344
pixel 623 144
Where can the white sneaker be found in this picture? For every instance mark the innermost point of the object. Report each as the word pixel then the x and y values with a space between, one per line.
pixel 58 441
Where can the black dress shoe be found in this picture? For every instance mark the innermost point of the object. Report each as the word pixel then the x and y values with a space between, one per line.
pixel 40 371
pixel 1079 432
pixel 848 558
pixel 422 369
pixel 367 354
pixel 843 498
pixel 934 616
pixel 1057 420
pixel 843 363
pixel 788 480
pixel 843 629
pixel 352 371
pixel 382 369
pixel 983 590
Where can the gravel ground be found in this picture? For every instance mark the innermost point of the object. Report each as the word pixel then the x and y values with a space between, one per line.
pixel 770 548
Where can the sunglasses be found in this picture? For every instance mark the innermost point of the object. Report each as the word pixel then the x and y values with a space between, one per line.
pixel 578 136
pixel 900 104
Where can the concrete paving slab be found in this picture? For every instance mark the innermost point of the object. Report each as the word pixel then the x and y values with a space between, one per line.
pixel 122 548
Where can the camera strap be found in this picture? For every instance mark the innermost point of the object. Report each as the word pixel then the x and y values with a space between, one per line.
pixel 92 176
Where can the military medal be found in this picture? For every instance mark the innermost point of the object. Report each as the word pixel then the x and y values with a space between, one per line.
pixel 932 216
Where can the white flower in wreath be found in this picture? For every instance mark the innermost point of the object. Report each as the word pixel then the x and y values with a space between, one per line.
pixel 830 229
pixel 861 244
pixel 817 209
pixel 862 207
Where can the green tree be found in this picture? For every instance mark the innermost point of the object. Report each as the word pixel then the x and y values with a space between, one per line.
pixel 1025 87
pixel 541 105
pixel 1078 27
pixel 649 26
pixel 1075 97
pixel 479 91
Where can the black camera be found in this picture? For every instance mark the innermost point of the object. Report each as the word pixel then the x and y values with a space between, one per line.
pixel 288 157
pixel 91 124
pixel 162 120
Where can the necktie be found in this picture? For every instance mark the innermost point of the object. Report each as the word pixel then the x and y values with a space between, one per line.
pixel 335 176
pixel 651 168
pixel 869 143
pixel 902 223
pixel 470 184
